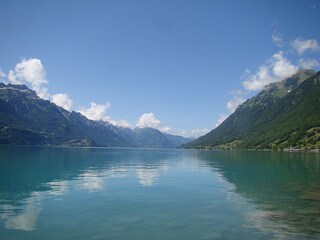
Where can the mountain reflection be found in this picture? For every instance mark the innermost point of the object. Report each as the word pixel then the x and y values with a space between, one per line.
pixel 260 194
pixel 28 175
pixel 285 187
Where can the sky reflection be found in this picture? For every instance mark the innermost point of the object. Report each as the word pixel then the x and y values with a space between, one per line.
pixel 24 214
pixel 260 195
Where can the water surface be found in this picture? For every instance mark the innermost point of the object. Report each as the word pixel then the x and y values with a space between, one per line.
pixel 96 193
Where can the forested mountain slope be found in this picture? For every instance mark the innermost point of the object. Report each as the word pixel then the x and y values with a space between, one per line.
pixel 285 114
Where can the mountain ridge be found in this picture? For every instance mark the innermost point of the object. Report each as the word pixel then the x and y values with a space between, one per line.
pixel 27 119
pixel 252 124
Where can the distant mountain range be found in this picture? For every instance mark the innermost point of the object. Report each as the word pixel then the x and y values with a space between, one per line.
pixel 26 119
pixel 284 114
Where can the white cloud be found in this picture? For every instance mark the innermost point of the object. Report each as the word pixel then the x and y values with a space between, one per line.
pixel 148 120
pixel 30 72
pixel 12 78
pixel 275 69
pixel 301 46
pixel 309 63
pixel 96 111
pixel 277 39
pixel 62 100
pixel 118 123
pixel 258 80
pixel 194 133
pixel 42 93
pixel 2 75
pixel 234 103
pixel 282 67
pixel 165 129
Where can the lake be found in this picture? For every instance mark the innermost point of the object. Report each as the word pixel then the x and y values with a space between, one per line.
pixel 99 193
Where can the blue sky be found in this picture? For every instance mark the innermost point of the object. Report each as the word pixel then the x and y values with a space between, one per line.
pixel 182 65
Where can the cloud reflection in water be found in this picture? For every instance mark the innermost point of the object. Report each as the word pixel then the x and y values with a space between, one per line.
pixel 24 216
pixel 148 176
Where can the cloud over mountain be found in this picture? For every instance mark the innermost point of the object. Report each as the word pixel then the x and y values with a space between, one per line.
pixel 62 100
pixel 99 112
pixel 30 72
pixel 96 111
pixel 149 120
pixel 234 103
pixel 276 68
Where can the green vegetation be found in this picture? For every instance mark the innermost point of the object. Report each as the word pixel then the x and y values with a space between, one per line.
pixel 284 115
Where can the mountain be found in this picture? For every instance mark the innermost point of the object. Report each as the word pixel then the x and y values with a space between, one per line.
pixel 27 119
pixel 283 115
pixel 178 140
pixel 150 137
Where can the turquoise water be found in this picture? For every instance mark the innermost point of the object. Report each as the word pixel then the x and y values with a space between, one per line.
pixel 95 193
